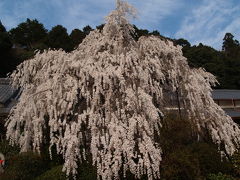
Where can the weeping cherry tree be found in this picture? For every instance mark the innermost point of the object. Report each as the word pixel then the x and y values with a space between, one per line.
pixel 106 99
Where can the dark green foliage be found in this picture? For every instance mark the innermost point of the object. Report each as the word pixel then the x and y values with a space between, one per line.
pixel 19 44
pixel 24 166
pixel 56 159
pixel 5 42
pixel 100 27
pixel 58 39
pixel 155 33
pixel 186 158
pixel 87 171
pixel 29 34
pixel 7 61
pixel 183 42
pixel 220 176
pixel 142 32
pixel 225 65
pixel 54 173
pixel 209 158
pixel 178 161
pixel 176 133
pixel 87 29
pixel 139 32
pixel 200 56
pixel 24 54
pixel 77 37
pixel 2 28
pixel 8 150
pixel 236 163
pixel 180 165
pixel 230 46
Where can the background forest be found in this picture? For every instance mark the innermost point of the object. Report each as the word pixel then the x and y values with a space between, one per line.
pixel 20 43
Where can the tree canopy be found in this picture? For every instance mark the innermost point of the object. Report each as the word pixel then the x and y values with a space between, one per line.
pixel 224 64
pixel 77 37
pixel 58 38
pixel 29 34
pixel 87 29
pixel 5 51
pixel 230 46
pixel 2 28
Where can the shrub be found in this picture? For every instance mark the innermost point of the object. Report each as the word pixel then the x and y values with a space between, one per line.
pixel 209 159
pixel 54 173
pixel 185 157
pixel 24 166
pixel 85 172
pixel 219 176
pixel 236 163
pixel 8 150
pixel 180 165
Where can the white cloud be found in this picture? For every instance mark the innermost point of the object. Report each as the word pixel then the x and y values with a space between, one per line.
pixel 206 23
pixel 151 12
pixel 210 21
pixel 79 13
pixel 13 12
pixel 86 13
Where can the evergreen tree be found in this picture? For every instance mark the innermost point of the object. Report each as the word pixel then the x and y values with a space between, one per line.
pixel 155 33
pixel 230 46
pixel 58 38
pixel 2 28
pixel 77 37
pixel 139 32
pixel 5 42
pixel 100 27
pixel 183 42
pixel 7 63
pixel 87 29
pixel 30 34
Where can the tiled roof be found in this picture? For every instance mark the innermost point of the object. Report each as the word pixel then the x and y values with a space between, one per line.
pixel 232 113
pixel 8 96
pixel 5 111
pixel 6 91
pixel 225 94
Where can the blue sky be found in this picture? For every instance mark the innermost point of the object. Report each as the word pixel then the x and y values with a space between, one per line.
pixel 198 21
